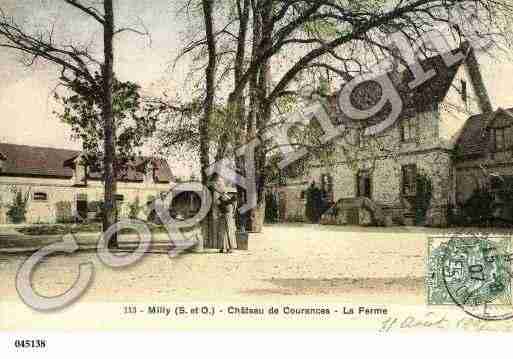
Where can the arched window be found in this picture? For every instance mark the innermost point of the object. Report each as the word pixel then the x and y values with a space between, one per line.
pixel 40 197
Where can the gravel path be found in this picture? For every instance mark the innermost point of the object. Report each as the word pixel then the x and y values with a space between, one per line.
pixel 302 260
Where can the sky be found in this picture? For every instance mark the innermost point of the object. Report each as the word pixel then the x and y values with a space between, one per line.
pixel 26 94
pixel 26 100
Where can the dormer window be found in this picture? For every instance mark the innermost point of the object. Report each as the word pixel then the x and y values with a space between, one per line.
pixel 498 135
pixel 502 138
pixel 149 175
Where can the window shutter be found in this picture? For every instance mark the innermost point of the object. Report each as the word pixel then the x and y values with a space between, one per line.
pixel 509 137
pixel 403 178
pixel 413 179
pixel 409 176
pixel 358 185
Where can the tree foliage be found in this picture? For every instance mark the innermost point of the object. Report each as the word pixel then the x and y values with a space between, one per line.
pixel 135 121
pixel 268 51
pixel 17 209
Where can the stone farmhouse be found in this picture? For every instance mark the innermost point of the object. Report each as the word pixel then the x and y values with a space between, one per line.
pixel 52 177
pixel 447 131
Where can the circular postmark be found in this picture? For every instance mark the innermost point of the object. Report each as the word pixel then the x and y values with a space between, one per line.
pixel 476 276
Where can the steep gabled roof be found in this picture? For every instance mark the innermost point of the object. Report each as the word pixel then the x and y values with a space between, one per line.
pixel 493 120
pixel 475 138
pixel 420 99
pixel 21 160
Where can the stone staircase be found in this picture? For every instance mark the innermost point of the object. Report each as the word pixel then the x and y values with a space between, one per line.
pixel 349 211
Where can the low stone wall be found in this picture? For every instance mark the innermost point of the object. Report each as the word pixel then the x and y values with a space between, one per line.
pixel 3 215
pixel 358 212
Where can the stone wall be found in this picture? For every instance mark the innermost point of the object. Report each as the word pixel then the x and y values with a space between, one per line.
pixel 59 190
pixel 386 185
pixel 384 157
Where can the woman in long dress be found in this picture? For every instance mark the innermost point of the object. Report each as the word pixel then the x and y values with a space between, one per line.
pixel 225 206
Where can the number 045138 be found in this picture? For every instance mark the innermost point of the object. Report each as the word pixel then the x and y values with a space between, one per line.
pixel 30 343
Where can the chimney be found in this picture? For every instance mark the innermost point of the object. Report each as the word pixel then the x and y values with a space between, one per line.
pixel 474 72
pixel 79 172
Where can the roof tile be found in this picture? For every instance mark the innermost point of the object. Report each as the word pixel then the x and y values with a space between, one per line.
pixel 420 99
pixel 21 160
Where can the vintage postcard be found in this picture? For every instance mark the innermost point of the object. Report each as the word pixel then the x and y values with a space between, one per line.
pixel 256 164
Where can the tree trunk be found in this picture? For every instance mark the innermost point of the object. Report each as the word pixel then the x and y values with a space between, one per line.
pixel 208 226
pixel 110 176
pixel 210 87
pixel 238 98
pixel 261 108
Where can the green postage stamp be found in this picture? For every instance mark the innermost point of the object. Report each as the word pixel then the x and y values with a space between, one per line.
pixel 469 270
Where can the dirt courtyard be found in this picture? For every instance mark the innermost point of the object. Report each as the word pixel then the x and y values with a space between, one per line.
pixel 317 262
pixel 300 266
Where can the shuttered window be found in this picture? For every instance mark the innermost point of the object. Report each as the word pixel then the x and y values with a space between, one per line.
pixel 408 129
pixel 499 139
pixel 364 184
pixel 327 187
pixel 409 177
pixel 508 138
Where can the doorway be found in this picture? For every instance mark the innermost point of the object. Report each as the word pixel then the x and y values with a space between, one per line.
pixel 364 184
pixel 82 207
